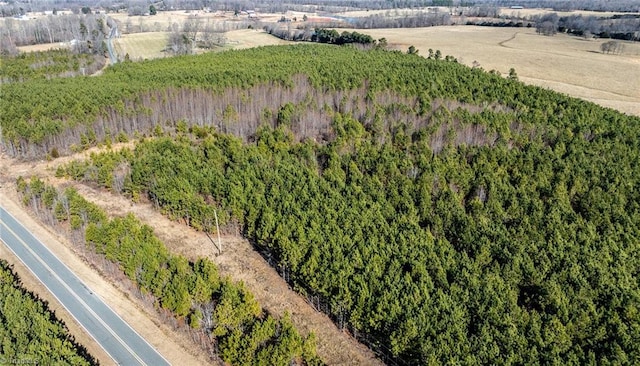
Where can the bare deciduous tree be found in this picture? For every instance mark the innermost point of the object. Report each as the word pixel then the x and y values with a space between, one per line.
pixel 614 47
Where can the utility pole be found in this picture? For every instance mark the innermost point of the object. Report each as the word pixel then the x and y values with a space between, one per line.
pixel 218 231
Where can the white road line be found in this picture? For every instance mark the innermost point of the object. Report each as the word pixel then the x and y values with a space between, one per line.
pixel 74 294
pixel 4 211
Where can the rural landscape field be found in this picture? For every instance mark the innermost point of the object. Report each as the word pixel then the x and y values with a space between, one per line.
pixel 564 63
pixel 320 183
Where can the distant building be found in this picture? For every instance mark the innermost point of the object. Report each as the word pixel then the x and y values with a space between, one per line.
pixel 517 7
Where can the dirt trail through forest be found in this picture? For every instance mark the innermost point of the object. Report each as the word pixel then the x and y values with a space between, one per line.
pixel 238 260
pixel 175 346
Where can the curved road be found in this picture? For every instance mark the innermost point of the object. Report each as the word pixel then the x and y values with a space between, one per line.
pixel 112 34
pixel 118 339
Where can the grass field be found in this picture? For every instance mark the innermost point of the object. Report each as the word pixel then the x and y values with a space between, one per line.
pixel 157 23
pixel 42 47
pixel 142 46
pixel 247 38
pixel 151 45
pixel 563 63
pixel 165 19
pixel 567 64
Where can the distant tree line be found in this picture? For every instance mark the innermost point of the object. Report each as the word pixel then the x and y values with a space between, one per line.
pixel 499 23
pixel 570 5
pixel 623 28
pixel 332 36
pixel 139 6
pixel 479 11
pixel 84 33
pixel 413 20
pixel 47 64
pixel 320 35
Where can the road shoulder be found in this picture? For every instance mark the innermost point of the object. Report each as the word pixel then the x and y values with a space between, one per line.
pixel 174 347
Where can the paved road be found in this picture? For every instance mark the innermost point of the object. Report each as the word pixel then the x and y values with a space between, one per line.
pixel 118 339
pixel 112 34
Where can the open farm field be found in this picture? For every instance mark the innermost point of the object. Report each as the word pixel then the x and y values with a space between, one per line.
pixel 563 63
pixel 162 21
pixel 150 45
pixel 247 38
pixel 142 45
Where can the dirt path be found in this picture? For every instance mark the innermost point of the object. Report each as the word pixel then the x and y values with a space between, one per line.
pixel 238 261
pixel 176 347
pixel 501 44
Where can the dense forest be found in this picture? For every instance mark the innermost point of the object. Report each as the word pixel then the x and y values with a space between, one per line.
pixel 438 213
pixel 47 65
pixel 477 254
pixel 237 91
pixel 223 316
pixel 30 332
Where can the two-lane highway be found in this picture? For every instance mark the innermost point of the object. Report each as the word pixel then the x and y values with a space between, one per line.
pixel 118 339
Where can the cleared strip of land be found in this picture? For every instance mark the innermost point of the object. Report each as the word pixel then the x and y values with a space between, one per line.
pixel 239 261
pixel 175 346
